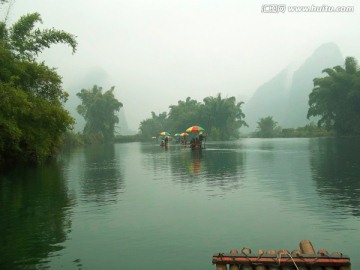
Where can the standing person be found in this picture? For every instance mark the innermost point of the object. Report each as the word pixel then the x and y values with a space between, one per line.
pixel 201 138
pixel 166 140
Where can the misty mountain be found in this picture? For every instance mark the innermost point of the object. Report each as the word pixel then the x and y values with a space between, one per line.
pixel 122 127
pixel 285 97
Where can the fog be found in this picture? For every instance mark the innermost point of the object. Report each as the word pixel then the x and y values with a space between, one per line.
pixel 157 52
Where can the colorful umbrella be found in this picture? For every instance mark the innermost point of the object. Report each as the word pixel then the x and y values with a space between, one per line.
pixel 184 134
pixel 177 134
pixel 164 133
pixel 195 129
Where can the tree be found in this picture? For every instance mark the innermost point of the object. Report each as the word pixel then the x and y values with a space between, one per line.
pixel 335 98
pixel 266 127
pixel 32 117
pixel 27 42
pixel 184 114
pixel 223 117
pixel 151 127
pixel 99 109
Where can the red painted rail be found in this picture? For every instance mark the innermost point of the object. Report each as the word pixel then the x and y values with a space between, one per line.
pixel 304 258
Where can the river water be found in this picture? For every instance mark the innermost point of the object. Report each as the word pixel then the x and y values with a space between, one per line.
pixel 141 206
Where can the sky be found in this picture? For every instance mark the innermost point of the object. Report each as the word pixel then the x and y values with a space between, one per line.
pixel 157 52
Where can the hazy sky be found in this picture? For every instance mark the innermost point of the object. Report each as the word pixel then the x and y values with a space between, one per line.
pixel 156 52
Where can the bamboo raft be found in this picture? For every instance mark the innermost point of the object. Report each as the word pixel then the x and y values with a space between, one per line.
pixel 304 258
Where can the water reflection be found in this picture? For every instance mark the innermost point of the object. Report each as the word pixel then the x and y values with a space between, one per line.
pixel 34 216
pixel 270 192
pixel 336 170
pixel 219 165
pixel 197 162
pixel 102 179
pixel 224 161
pixel 187 164
pixel 267 144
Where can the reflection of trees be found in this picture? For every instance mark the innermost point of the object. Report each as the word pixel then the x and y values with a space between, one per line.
pixel 33 217
pixel 224 167
pixel 156 157
pixel 336 170
pixel 102 177
pixel 220 165
pixel 188 164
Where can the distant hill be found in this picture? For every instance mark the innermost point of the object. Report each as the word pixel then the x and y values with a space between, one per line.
pixel 285 97
pixel 122 127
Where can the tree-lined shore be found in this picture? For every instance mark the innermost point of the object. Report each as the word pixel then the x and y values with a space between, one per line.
pixel 32 116
pixel 34 125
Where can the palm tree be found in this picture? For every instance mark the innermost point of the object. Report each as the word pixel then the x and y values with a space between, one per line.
pixel 336 99
pixel 223 117
pixel 184 114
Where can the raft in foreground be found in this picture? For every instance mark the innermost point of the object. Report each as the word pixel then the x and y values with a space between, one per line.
pixel 304 258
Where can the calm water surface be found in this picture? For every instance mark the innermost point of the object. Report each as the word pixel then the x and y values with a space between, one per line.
pixel 140 206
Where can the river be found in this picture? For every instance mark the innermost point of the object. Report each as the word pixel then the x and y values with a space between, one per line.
pixel 141 206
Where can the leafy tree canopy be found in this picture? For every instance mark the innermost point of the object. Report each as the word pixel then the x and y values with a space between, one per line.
pixel 223 117
pixel 266 127
pixel 99 109
pixel 183 115
pixel 153 126
pixel 220 117
pixel 335 98
pixel 26 41
pixel 32 117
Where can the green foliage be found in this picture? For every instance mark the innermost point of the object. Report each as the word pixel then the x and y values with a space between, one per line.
pixel 72 139
pixel 308 131
pixel 336 99
pixel 266 127
pixel 153 126
pixel 183 115
pixel 32 117
pixel 44 126
pixel 128 138
pixel 221 118
pixel 31 127
pixel 27 42
pixel 99 109
pixel 14 106
pixel 312 130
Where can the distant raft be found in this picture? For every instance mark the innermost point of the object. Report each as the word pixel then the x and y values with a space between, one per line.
pixel 304 258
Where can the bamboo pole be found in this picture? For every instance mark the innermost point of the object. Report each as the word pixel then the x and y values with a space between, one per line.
pixel 307 247
pixel 234 266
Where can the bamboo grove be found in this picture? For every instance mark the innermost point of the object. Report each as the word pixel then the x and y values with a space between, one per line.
pixel 32 116
pixel 220 117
